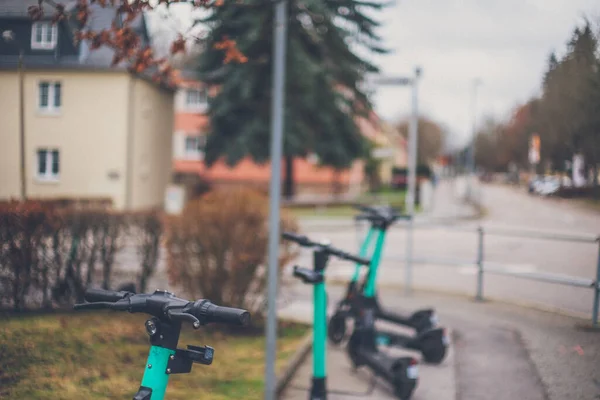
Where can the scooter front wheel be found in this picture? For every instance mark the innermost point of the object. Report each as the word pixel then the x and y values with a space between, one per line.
pixel 336 330
pixel 405 377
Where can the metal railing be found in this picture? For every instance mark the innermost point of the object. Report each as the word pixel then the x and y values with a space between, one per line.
pixel 484 267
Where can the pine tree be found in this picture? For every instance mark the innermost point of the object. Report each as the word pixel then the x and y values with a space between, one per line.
pixel 320 117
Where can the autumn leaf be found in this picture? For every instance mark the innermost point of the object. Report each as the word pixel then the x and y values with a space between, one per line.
pixel 178 45
pixel 126 42
pixel 35 12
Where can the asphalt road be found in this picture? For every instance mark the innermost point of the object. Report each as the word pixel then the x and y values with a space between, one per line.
pixel 457 244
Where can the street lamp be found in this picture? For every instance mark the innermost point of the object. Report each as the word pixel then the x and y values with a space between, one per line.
pixel 412 162
pixel 277 121
pixel 8 36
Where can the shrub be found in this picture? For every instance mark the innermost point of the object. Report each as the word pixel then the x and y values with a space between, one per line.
pixel 146 229
pixel 52 251
pixel 217 248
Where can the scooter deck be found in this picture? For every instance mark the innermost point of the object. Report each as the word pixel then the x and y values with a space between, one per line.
pixel 420 321
pixel 432 344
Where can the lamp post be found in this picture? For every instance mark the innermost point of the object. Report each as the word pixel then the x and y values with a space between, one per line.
pixel 9 37
pixel 412 162
pixel 277 121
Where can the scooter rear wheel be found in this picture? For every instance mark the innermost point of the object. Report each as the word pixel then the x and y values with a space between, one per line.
pixel 435 355
pixel 353 350
pixel 336 330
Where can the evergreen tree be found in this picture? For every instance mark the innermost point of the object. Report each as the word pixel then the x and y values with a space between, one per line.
pixel 323 77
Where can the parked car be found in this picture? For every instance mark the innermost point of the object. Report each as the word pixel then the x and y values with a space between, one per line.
pixel 544 185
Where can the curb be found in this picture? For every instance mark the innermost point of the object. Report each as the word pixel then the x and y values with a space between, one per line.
pixel 292 367
pixel 487 299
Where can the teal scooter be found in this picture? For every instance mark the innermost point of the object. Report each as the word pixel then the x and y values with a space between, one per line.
pixel 399 371
pixel 431 340
pixel 168 313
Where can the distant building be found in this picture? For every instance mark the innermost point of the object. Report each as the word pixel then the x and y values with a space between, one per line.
pixel 189 138
pixel 91 130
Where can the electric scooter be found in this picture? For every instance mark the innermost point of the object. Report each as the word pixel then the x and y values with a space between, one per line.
pixel 400 372
pixel 430 340
pixel 168 313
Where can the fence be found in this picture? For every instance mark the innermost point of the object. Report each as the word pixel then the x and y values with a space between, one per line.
pixel 484 267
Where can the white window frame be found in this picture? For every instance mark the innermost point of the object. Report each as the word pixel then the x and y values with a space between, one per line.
pixel 44 44
pixel 47 175
pixel 202 103
pixel 51 108
pixel 313 158
pixel 197 154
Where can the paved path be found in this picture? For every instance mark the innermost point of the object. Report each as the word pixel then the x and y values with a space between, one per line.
pixel 500 352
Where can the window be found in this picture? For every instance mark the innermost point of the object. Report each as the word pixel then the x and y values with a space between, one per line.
pixel 194 147
pixel 195 99
pixel 50 96
pixel 43 36
pixel 48 164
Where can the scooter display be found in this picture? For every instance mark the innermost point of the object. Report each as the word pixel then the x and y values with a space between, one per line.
pixel 400 372
pixel 430 340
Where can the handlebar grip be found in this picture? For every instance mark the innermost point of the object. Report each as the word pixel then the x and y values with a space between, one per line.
pixel 364 208
pixel 205 310
pixel 101 295
pixel 363 217
pixel 300 239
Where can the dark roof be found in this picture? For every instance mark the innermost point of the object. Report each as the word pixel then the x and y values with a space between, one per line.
pixel 98 59
pixel 102 18
pixel 18 8
pixel 50 62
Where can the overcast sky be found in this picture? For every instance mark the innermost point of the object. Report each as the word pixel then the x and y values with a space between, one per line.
pixel 505 43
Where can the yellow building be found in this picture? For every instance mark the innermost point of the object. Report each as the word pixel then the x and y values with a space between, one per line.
pixel 391 150
pixel 90 130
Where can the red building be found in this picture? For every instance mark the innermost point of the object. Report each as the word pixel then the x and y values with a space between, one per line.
pixel 189 138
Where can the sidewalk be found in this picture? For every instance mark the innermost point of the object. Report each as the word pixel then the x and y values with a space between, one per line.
pixel 499 352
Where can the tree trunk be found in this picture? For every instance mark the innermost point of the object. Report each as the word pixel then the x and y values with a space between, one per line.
pixel 289 187
pixel 336 185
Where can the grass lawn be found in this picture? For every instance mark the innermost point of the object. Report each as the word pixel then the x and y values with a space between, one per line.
pixel 393 198
pixel 101 355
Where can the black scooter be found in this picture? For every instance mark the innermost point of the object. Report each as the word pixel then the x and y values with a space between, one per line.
pixel 430 340
pixel 362 349
pixel 400 372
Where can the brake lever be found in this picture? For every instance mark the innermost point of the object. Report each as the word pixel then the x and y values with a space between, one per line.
pixel 121 305
pixel 182 316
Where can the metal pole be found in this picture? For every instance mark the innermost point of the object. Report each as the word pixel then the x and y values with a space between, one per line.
pixel 596 291
pixel 471 159
pixel 412 178
pixel 22 125
pixel 479 296
pixel 277 107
